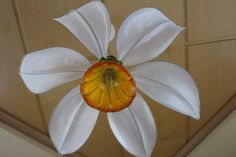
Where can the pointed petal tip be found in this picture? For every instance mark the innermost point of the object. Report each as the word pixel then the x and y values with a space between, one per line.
pixel 135 128
pixel 180 29
pixel 64 152
pixel 90 23
pixel 196 116
pixel 56 19
pixel 57 148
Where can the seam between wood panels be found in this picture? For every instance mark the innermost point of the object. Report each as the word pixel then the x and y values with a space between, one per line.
pixel 18 119
pixel 66 37
pixel 186 53
pixel 21 30
pixel 41 112
pixel 209 41
pixel 24 43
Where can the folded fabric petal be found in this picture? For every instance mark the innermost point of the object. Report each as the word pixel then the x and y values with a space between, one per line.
pixel 169 85
pixel 144 35
pixel 91 24
pixel 71 123
pixel 135 128
pixel 45 69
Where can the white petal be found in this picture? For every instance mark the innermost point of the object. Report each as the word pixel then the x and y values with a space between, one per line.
pixel 45 69
pixel 170 85
pixel 91 24
pixel 135 128
pixel 144 35
pixel 71 123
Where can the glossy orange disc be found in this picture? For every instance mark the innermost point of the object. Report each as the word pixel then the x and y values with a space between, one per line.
pixel 108 86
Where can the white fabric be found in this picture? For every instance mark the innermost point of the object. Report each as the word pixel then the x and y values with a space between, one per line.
pixel 144 35
pixel 170 85
pixel 72 122
pixel 91 25
pixel 45 69
pixel 135 128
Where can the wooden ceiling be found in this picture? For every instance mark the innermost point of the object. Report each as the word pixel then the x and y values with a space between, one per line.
pixel 207 49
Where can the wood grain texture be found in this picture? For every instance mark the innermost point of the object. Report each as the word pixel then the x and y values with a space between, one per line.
pixel 14 97
pixel 213 68
pixel 40 31
pixel 211 61
pixel 165 148
pixel 211 19
pixel 102 142
pixel 168 148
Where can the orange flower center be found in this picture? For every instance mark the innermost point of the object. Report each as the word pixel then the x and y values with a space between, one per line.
pixel 108 86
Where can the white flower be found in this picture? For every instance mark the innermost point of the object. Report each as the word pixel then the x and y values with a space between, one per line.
pixel 143 35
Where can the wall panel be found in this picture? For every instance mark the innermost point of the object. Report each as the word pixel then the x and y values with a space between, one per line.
pixel 211 19
pixel 213 67
pixel 14 97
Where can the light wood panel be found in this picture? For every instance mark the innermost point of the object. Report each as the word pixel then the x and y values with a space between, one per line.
pixel 41 31
pixel 102 142
pixel 165 149
pixel 213 67
pixel 211 61
pixel 211 19
pixel 169 148
pixel 14 98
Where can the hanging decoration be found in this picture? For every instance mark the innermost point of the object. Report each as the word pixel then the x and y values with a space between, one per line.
pixel 107 85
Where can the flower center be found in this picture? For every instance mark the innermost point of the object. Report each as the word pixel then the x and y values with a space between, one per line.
pixel 108 86
pixel 109 77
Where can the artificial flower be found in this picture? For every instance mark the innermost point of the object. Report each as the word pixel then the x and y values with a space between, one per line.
pixel 107 85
